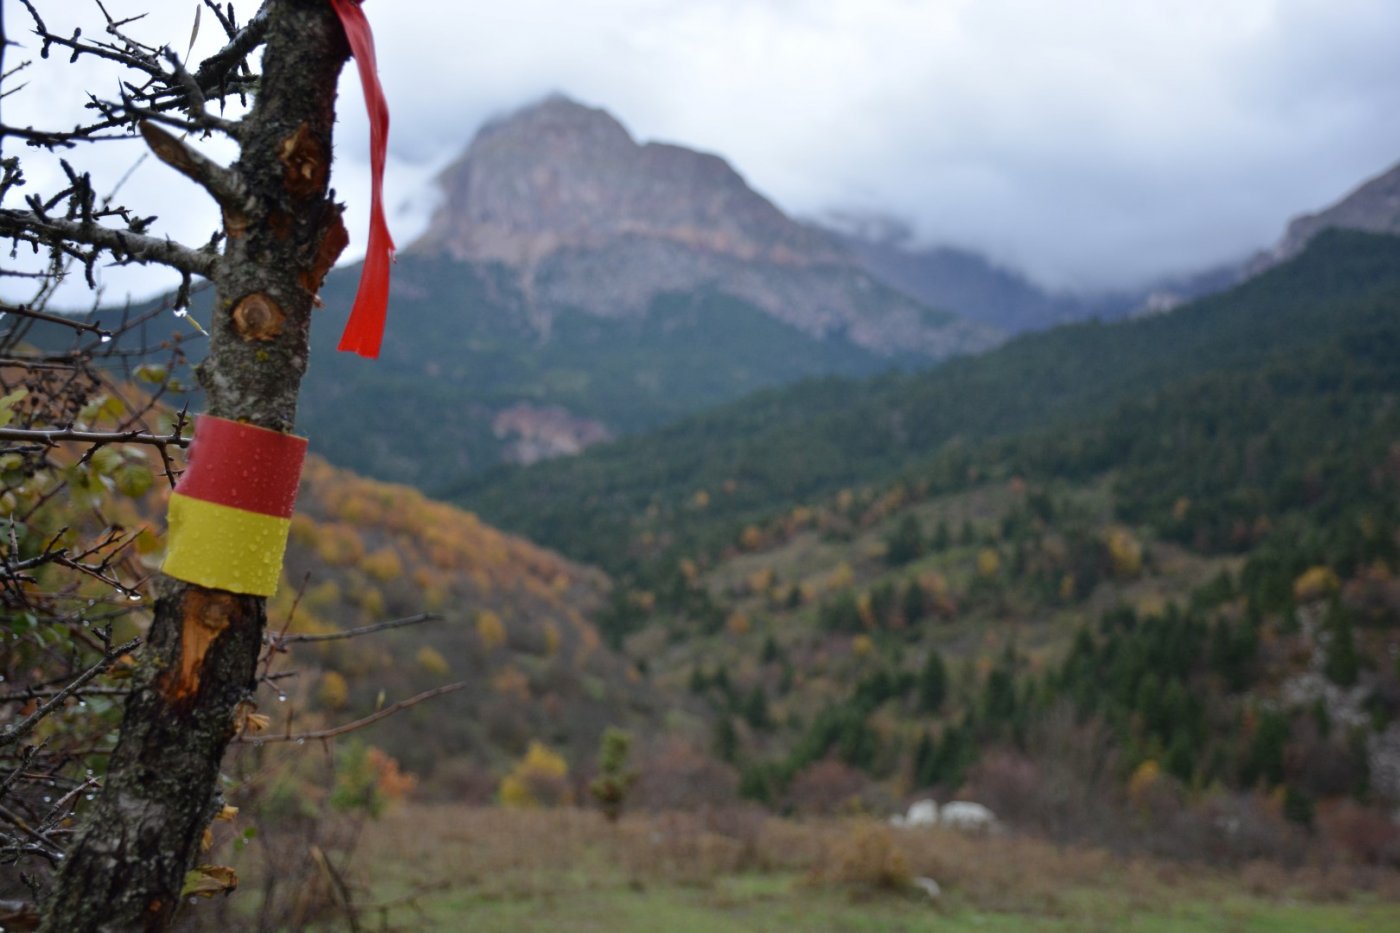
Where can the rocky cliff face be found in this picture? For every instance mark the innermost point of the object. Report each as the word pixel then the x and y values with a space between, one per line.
pixel 1372 208
pixel 594 221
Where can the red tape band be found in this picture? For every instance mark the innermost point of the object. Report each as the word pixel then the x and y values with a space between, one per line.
pixel 243 466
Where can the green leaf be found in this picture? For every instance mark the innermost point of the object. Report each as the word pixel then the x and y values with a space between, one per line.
pixel 133 480
pixel 105 461
pixel 8 403
pixel 152 372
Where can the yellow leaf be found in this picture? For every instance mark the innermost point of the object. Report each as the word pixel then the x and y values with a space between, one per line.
pixel 226 814
pixel 208 880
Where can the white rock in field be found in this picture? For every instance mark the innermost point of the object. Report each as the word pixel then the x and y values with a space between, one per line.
pixel 929 887
pixel 965 815
pixel 922 813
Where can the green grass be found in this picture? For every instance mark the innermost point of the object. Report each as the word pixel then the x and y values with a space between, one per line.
pixel 784 903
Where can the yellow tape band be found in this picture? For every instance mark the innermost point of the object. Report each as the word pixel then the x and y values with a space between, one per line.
pixel 225 548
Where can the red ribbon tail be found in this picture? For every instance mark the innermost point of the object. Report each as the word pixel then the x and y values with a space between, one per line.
pixel 364 331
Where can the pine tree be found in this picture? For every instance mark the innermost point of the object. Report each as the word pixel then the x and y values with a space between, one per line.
pixel 933 684
pixel 941 537
pixel 925 761
pixel 906 542
pixel 726 740
pixel 914 604
pixel 756 708
pixel 614 779
pixel 1342 664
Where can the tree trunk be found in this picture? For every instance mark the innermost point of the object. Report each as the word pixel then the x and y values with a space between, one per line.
pixel 126 868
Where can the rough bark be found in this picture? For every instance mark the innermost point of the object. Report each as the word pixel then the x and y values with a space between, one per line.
pixel 127 866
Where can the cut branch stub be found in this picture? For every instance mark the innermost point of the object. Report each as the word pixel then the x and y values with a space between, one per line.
pixel 221 183
pixel 257 317
pixel 306 167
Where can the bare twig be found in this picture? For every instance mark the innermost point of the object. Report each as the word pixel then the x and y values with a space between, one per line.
pixel 279 640
pixel 367 721
pixel 74 323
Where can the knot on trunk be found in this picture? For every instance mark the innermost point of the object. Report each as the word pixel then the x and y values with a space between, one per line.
pixel 257 317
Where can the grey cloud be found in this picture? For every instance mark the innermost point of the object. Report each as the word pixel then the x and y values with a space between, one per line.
pixel 1090 142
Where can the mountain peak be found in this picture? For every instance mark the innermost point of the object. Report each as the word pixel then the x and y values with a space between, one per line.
pixel 558 175
pixel 559 116
pixel 591 220
pixel 1373 207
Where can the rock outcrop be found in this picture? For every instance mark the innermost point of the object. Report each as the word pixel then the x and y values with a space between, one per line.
pixel 1372 208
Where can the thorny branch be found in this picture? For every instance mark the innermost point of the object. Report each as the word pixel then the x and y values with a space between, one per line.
pixel 96 438
pixel 13 733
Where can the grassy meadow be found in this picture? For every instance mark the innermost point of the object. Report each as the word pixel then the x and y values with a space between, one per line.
pixel 449 867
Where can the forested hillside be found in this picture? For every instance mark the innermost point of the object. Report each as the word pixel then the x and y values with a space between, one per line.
pixel 1116 568
pixel 1318 325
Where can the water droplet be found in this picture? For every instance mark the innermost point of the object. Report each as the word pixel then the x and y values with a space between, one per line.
pixel 91 796
pixel 281 698
pixel 134 597
pixel 182 312
pixel 105 338
pixel 301 741
pixel 48 800
pixel 82 702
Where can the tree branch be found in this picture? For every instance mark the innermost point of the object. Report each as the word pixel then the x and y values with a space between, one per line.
pixel 49 438
pixel 215 69
pixel 135 247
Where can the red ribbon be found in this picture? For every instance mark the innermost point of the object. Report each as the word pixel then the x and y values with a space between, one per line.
pixel 365 328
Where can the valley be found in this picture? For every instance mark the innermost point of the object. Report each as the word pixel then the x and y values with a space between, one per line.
pixel 663 501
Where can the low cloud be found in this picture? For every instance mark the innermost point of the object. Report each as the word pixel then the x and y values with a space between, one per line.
pixel 1089 143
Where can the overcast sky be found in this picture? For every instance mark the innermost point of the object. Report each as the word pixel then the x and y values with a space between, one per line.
pixel 1087 142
